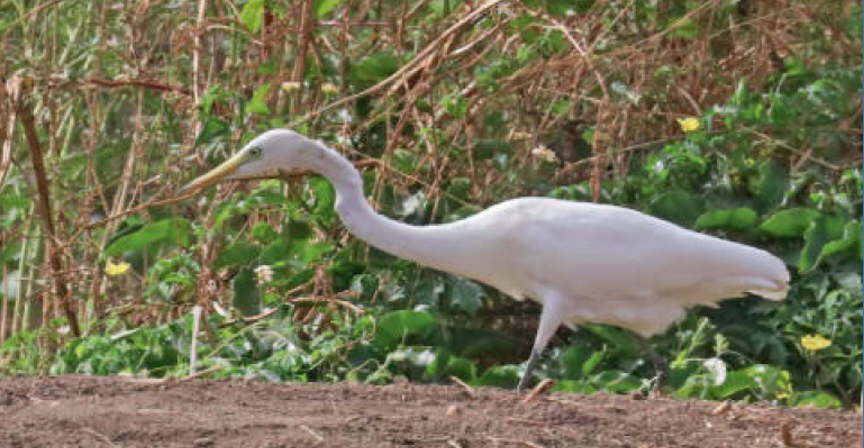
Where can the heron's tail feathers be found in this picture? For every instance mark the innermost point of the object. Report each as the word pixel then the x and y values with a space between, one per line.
pixel 776 293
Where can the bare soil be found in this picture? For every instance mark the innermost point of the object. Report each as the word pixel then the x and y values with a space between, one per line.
pixel 81 411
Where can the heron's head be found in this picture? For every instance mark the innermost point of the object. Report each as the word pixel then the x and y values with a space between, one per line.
pixel 272 150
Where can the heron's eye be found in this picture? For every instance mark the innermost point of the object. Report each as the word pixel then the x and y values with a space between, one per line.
pixel 255 151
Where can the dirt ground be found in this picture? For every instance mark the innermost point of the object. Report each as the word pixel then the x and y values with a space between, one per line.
pixel 79 411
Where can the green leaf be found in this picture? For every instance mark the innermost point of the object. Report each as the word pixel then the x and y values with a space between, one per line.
pixel 617 337
pixel 464 293
pixel 396 326
pixel 307 252
pixel 498 376
pixel 821 231
pixel 174 230
pixel 237 254
pixel 741 218
pixel 276 251
pixel 404 161
pixel 213 129
pixel 851 240
pixel 579 387
pixel 247 296
pixel 324 7
pixel 253 14
pixel 617 381
pixel 677 206
pixel 374 68
pixel 736 382
pixel 325 199
pixel 817 398
pixel 263 232
pixel 258 103
pixel 446 364
pixel 592 363
pixel 561 108
pixel 789 223
pixel 772 187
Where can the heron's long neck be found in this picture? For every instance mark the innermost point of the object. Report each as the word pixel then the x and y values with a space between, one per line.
pixel 424 245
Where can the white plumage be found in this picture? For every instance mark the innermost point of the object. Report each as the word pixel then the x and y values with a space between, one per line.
pixel 583 262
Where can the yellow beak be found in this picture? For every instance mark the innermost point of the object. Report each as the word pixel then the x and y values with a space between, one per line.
pixel 222 171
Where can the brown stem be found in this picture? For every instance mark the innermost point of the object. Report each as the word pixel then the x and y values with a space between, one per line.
pixel 44 204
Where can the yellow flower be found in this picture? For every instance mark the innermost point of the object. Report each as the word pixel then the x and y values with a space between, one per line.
pixel 689 124
pixel 329 89
pixel 291 86
pixel 113 270
pixel 815 342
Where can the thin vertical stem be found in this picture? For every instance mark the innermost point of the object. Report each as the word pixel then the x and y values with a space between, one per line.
pixel 44 204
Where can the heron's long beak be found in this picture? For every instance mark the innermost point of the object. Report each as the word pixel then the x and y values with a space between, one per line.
pixel 222 171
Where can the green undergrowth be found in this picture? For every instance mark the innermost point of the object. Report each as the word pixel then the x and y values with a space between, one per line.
pixel 401 320
pixel 775 163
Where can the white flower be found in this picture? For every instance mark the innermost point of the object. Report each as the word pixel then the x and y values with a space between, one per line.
pixel 264 274
pixel 329 89
pixel 545 154
pixel 291 86
pixel 717 369
pixel 518 135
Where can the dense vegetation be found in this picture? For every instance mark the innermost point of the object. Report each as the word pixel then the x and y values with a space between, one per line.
pixel 738 118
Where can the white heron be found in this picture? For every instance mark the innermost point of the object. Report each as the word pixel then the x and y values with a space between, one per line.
pixel 583 262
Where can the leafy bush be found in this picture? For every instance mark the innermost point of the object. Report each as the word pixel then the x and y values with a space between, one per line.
pixel 685 111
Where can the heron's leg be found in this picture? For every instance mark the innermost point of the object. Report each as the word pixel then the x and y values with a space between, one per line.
pixel 661 365
pixel 550 318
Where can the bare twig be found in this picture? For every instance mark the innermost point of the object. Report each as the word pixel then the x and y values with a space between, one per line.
pixel 538 390
pixel 468 389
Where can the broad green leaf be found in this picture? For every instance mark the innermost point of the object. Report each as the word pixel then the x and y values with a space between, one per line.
pixel 817 398
pixel 464 293
pixel 428 288
pixel 279 250
pixel 616 381
pixel 772 187
pixel 677 206
pixel 821 231
pixel 592 363
pixel 404 161
pixel 498 376
pixel 447 364
pixel 789 223
pixel 213 129
pixel 741 218
pixel 258 103
pixel 308 252
pixel 247 296
pixel 736 382
pixel 174 230
pixel 396 326
pixel 324 7
pixel 263 232
pixel 561 108
pixel 481 342
pixel 374 69
pixel 325 199
pixel 237 254
pixel 579 387
pixel 851 240
pixel 619 338
pixel 573 359
pixel 253 14
pixel 459 187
